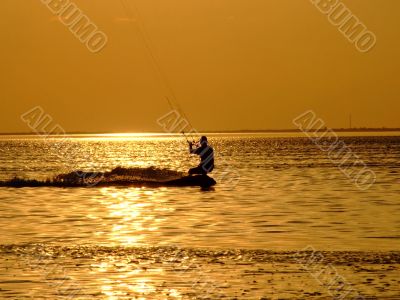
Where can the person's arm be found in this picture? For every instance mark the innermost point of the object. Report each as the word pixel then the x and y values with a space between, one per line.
pixel 191 150
pixel 196 150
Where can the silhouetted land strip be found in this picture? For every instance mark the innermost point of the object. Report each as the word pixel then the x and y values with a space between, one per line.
pixel 310 130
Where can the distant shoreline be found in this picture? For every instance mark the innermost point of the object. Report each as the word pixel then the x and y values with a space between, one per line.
pixel 221 131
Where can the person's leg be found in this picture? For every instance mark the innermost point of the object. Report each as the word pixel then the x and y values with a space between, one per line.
pixel 207 169
pixel 196 171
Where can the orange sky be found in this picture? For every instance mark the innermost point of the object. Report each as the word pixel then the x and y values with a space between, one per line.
pixel 233 64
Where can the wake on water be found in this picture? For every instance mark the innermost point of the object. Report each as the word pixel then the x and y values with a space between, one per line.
pixel 119 176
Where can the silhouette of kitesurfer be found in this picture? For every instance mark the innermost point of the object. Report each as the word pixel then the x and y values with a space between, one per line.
pixel 206 154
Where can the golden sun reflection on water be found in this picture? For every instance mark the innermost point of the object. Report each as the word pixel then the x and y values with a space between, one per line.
pixel 135 213
pixel 120 278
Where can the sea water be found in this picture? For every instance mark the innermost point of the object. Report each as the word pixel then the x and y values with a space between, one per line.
pixel 279 198
pixel 288 194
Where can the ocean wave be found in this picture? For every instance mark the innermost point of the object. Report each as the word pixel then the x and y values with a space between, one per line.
pixel 157 252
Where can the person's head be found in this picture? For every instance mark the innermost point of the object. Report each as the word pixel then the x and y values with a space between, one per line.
pixel 203 140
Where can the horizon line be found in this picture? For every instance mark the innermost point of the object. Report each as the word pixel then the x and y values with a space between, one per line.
pixel 341 129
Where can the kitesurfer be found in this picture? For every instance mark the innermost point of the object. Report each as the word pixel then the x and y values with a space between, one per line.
pixel 206 154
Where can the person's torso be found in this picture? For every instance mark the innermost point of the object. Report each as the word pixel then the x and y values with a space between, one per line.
pixel 207 155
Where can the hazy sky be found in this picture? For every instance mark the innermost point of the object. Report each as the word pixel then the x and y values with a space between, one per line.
pixel 233 64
